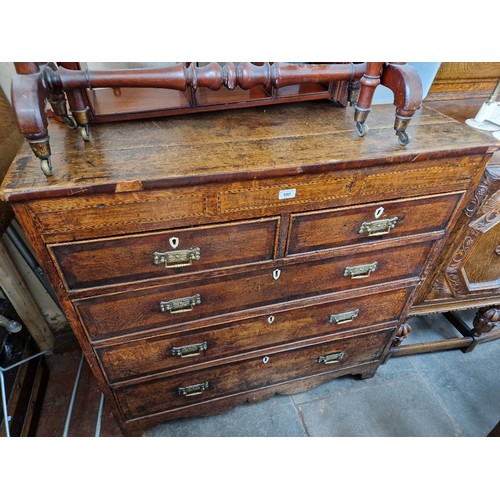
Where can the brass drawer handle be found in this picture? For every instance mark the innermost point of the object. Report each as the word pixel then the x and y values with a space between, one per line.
pixel 345 317
pixel 193 390
pixel 362 271
pixel 188 351
pixel 182 305
pixel 330 359
pixel 378 227
pixel 177 258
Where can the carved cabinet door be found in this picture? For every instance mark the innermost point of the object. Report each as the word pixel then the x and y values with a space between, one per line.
pixel 472 260
pixel 481 266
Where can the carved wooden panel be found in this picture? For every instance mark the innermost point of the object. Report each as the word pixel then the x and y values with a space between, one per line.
pixel 472 267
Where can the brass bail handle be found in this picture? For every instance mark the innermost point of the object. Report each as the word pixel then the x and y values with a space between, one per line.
pixel 181 305
pixel 345 317
pixel 188 351
pixel 378 227
pixel 329 359
pixel 177 258
pixel 362 271
pixel 193 390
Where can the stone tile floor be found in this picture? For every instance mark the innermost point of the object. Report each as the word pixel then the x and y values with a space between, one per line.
pixel 440 394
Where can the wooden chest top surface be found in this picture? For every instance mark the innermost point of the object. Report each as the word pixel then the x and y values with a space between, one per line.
pixel 230 145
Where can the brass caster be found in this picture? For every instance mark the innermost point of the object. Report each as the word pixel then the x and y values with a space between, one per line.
pixel 85 133
pixel 46 166
pixel 361 128
pixel 70 122
pixel 403 137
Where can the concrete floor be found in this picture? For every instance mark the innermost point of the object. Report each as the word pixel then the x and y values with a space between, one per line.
pixel 439 394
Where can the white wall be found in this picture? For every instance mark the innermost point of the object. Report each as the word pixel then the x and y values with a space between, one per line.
pixel 6 72
pixel 427 72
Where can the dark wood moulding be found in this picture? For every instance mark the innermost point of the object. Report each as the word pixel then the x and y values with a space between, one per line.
pixel 35 85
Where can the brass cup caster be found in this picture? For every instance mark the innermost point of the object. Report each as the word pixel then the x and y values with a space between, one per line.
pixel 400 127
pixel 85 132
pixel 82 119
pixel 361 128
pixel 403 137
pixel 360 116
pixel 46 166
pixel 41 149
pixel 70 122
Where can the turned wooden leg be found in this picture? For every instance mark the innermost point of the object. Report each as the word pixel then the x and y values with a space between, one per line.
pixel 485 320
pixel 58 104
pixel 405 83
pixel 80 112
pixel 368 83
pixel 29 96
pixel 402 332
pixel 57 101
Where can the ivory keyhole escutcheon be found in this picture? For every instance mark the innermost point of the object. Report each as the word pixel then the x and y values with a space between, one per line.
pixel 276 274
pixel 270 319
pixel 265 360
pixel 379 212
pixel 174 242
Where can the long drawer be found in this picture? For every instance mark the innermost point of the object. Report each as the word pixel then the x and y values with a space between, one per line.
pixel 162 352
pixel 167 253
pixel 334 228
pixel 202 385
pixel 160 306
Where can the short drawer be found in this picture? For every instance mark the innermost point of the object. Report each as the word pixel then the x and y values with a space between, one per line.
pixel 194 387
pixel 163 352
pixel 334 228
pixel 168 253
pixel 173 305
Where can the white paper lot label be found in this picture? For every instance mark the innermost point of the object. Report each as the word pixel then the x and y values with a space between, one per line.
pixel 286 194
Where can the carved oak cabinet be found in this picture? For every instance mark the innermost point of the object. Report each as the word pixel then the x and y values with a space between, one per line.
pixel 467 274
pixel 206 261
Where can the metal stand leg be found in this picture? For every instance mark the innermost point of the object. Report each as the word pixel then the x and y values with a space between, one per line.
pixel 4 404
pixel 99 417
pixel 72 400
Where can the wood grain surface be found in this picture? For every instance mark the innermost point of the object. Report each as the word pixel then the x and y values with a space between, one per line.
pixel 270 142
pixel 466 77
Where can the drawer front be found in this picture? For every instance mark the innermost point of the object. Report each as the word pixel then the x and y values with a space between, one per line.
pixel 121 213
pixel 202 385
pixel 168 253
pixel 161 306
pixel 101 215
pixel 350 186
pixel 163 352
pixel 333 228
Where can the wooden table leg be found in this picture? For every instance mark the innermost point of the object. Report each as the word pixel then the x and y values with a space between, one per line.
pixel 484 321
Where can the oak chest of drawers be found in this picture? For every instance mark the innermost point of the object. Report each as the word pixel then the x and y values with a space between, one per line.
pixel 206 261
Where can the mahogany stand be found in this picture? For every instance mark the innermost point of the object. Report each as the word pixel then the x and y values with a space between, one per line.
pixel 35 85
